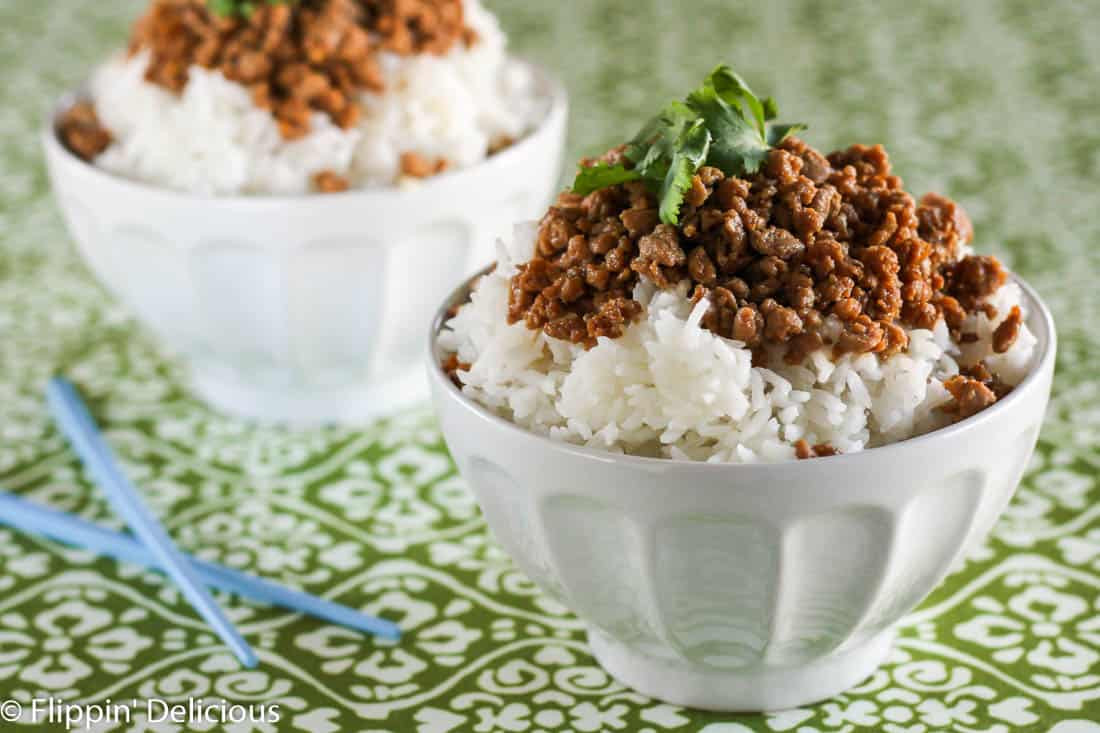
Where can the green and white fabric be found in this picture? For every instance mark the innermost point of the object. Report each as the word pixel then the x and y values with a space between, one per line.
pixel 992 103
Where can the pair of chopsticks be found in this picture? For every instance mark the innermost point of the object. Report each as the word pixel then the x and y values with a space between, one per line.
pixel 152 546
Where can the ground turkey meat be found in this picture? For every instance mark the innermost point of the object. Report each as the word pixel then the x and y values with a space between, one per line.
pixel 1005 334
pixel 296 57
pixel 79 129
pixel 803 450
pixel 451 366
pixel 971 396
pixel 329 182
pixel 775 254
pixel 415 165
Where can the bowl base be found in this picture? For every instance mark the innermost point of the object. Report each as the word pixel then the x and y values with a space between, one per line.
pixel 297 407
pixel 752 691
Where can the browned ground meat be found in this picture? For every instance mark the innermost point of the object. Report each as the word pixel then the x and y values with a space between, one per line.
pixel 329 182
pixel 974 278
pixel 1005 334
pixel 416 165
pixel 803 450
pixel 79 129
pixel 451 365
pixel 296 57
pixel 983 374
pixel 971 396
pixel 775 253
pixel 500 142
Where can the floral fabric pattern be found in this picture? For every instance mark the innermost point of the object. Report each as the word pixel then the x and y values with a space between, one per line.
pixel 993 103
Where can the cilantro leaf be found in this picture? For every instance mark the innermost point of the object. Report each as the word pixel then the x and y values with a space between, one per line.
pixel 776 133
pixel 241 8
pixel 739 145
pixel 732 89
pixel 692 146
pixel 602 175
pixel 655 144
pixel 770 110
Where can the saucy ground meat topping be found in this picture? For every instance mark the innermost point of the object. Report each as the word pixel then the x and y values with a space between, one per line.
pixel 451 366
pixel 296 58
pixel 803 450
pixel 1005 334
pixel 81 132
pixel 416 165
pixel 774 253
pixel 971 396
pixel 329 182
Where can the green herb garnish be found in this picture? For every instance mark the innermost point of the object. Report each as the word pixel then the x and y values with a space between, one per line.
pixel 241 8
pixel 721 124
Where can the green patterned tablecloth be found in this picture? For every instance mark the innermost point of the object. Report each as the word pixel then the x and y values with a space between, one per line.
pixel 997 104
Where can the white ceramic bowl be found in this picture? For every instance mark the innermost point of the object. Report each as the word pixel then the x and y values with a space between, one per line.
pixel 309 308
pixel 744 587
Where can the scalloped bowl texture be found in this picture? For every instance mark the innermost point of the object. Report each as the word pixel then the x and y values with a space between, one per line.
pixel 302 309
pixel 744 587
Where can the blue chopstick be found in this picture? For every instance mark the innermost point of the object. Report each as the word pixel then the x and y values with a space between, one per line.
pixel 57 525
pixel 76 422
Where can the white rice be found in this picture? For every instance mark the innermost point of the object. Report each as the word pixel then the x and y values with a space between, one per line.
pixel 212 140
pixel 670 388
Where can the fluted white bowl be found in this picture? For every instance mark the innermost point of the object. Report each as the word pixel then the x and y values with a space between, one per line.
pixel 310 308
pixel 744 587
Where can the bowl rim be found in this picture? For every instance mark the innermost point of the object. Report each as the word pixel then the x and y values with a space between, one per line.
pixel 1048 342
pixel 555 114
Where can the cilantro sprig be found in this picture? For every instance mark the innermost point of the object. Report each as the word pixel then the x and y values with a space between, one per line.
pixel 721 124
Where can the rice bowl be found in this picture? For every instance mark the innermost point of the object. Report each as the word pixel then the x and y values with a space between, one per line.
pixel 301 309
pixel 270 195
pixel 626 388
pixel 211 138
pixel 742 587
